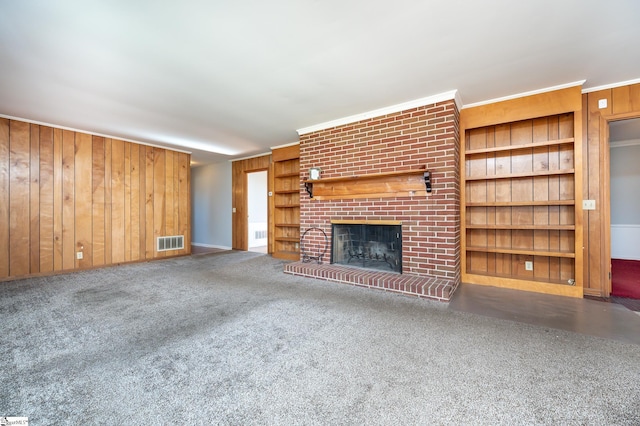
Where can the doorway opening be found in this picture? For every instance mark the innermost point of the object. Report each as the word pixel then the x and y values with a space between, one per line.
pixel 624 208
pixel 257 209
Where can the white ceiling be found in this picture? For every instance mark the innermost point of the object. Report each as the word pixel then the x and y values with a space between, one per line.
pixel 237 77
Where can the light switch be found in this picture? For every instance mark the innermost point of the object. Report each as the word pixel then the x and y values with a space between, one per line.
pixel 528 265
pixel 233 210
pixel 588 204
pixel 602 103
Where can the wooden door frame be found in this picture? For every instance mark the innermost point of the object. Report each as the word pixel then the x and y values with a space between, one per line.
pixel 605 202
pixel 245 186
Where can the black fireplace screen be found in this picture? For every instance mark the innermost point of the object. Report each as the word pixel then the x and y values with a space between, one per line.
pixel 367 246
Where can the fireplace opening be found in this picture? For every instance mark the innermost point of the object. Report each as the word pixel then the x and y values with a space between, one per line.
pixel 367 246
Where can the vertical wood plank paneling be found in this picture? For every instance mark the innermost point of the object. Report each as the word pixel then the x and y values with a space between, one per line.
pixel 142 218
pixel 97 200
pixel 4 197
pixel 504 215
pixel 477 192
pixel 491 197
pixel 108 197
pixel 239 234
pixel 585 193
pixel 83 200
pixel 57 200
pixel 34 200
pixel 592 229
pixel 522 190
pixel 134 217
pixel 625 99
pixel 159 167
pixel 64 192
pixel 169 224
pixel 554 194
pixel 184 179
pixel 541 193
pixel 127 202
pixel 566 127
pixel 19 135
pixel 177 162
pixel 149 203
pixel 68 200
pixel 117 201
pixel 46 199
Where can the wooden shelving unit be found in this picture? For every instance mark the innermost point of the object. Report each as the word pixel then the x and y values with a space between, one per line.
pixel 519 208
pixel 286 202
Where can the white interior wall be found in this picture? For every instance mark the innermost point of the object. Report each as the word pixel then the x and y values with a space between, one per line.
pixel 211 205
pixel 625 200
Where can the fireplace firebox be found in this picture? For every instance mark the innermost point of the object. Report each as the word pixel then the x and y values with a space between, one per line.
pixel 371 246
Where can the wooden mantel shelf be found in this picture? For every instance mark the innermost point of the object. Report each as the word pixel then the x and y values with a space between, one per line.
pixel 405 183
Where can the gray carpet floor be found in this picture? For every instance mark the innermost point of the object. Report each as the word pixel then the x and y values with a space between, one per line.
pixel 230 339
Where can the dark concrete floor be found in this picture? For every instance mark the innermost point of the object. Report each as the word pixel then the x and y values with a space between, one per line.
pixel 585 316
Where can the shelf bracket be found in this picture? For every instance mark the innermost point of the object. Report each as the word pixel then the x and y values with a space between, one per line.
pixel 427 181
pixel 308 186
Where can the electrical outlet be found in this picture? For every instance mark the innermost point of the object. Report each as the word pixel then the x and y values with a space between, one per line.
pixel 588 204
pixel 528 265
pixel 79 255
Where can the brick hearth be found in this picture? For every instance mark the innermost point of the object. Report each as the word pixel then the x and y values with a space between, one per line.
pixel 411 285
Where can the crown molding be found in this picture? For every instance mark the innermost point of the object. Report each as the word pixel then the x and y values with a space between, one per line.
pixel 250 157
pixel 284 145
pixel 447 96
pixel 611 86
pixel 55 126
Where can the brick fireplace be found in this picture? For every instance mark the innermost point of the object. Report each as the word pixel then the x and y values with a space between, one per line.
pixel 390 152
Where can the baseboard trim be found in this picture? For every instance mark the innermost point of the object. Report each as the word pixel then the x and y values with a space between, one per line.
pixel 211 246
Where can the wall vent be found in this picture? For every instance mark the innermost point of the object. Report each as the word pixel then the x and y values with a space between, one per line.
pixel 175 242
pixel 261 235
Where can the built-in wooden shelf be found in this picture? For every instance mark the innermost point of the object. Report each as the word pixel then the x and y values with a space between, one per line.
pixel 522 252
pixel 526 227
pixel 523 203
pixel 403 183
pixel 289 239
pixel 522 175
pixel 519 197
pixel 286 202
pixel 517 147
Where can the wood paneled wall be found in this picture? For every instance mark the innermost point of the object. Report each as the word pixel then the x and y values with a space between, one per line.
pixel 622 103
pixel 239 170
pixel 65 192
